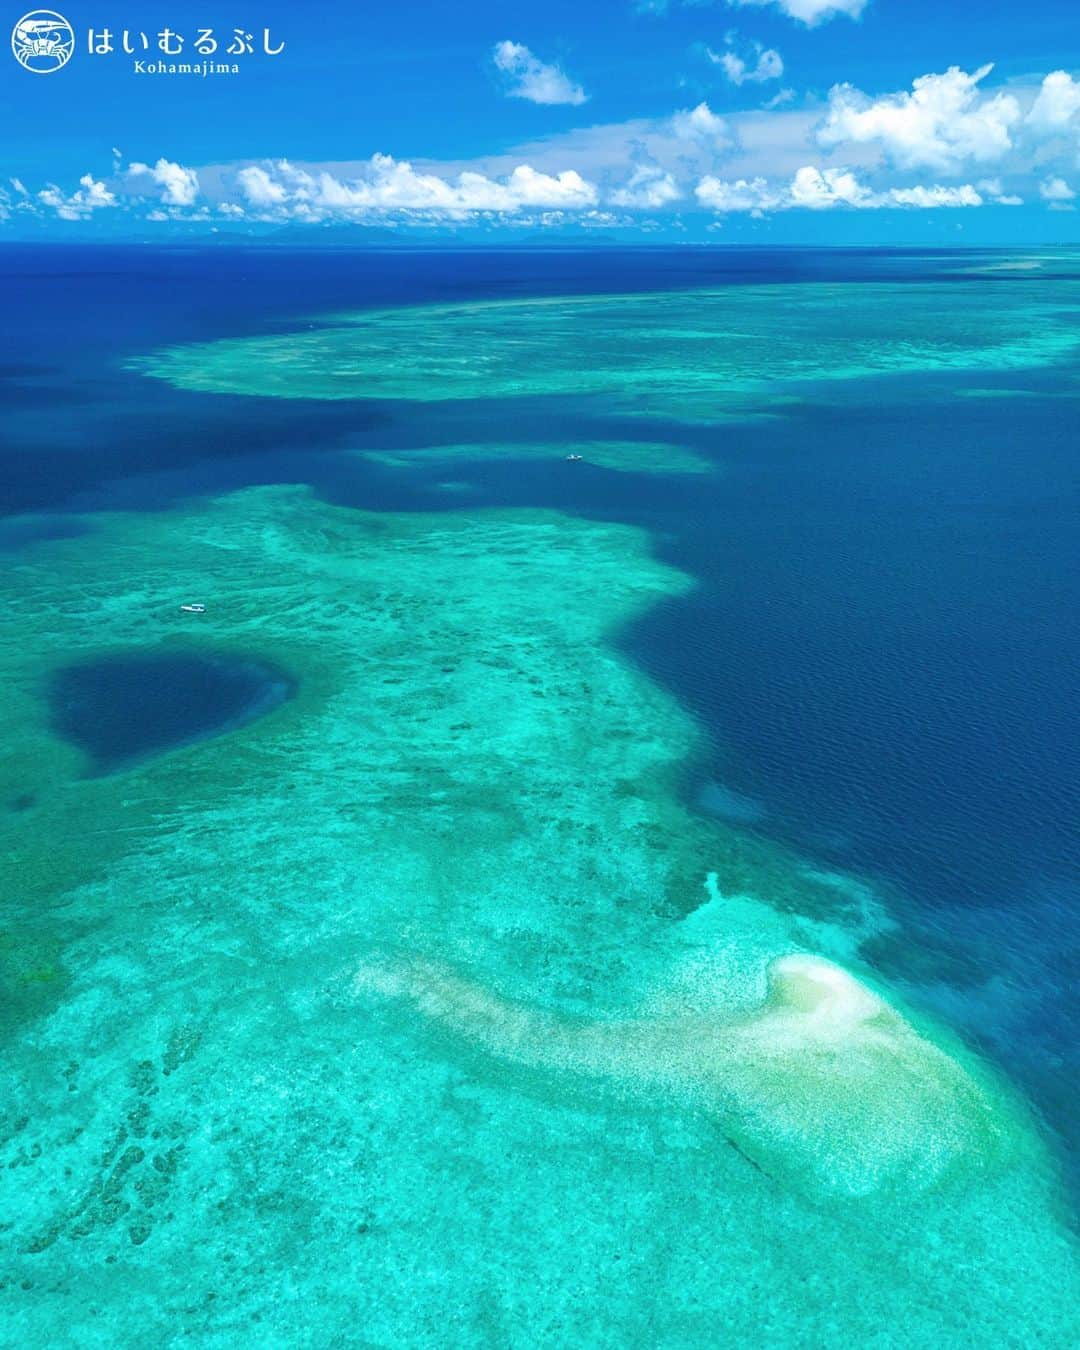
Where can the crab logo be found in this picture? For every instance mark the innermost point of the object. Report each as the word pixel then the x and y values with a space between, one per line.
pixel 42 41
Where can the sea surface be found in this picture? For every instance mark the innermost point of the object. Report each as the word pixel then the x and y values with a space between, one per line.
pixel 320 908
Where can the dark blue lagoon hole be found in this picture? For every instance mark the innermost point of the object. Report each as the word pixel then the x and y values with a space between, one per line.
pixel 126 708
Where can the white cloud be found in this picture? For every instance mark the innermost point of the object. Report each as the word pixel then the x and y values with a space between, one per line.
pixel 648 187
pixel 526 186
pixel 1057 103
pixel 992 188
pixel 767 65
pixel 530 78
pixel 179 186
pixel 743 194
pixel 1055 190
pixel 937 195
pixel 699 123
pixel 773 142
pixel 820 189
pixel 817 189
pixel 259 188
pixel 944 142
pixel 942 123
pixel 811 12
pixel 779 100
pixel 389 185
pixel 90 196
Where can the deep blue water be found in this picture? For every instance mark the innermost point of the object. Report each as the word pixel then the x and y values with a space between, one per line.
pixel 126 708
pixel 883 646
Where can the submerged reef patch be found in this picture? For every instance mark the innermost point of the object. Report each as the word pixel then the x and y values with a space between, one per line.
pixel 619 456
pixel 686 355
pixel 472 801
pixel 825 1087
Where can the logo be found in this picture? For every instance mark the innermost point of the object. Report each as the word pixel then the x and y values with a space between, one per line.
pixel 42 41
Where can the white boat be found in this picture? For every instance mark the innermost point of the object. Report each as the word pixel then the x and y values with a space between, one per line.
pixel 193 609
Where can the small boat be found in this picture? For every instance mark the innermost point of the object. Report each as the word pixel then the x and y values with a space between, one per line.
pixel 572 459
pixel 193 609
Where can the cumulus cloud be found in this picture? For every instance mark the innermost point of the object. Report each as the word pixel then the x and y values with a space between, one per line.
pixel 699 123
pixel 741 194
pixel 649 187
pixel 1057 103
pixel 811 12
pixel 937 195
pixel 940 124
pixel 530 78
pixel 763 64
pixel 817 189
pixel 1055 190
pixel 390 185
pixel 179 186
pixel 943 142
pixel 259 188
pixel 91 195
pixel 993 188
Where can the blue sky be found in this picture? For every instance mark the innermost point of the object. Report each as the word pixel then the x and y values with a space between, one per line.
pixel 737 121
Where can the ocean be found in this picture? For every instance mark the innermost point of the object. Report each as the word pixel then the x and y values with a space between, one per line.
pixel 384 949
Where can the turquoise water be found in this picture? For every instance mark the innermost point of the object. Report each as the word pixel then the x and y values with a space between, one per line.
pixel 475 993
